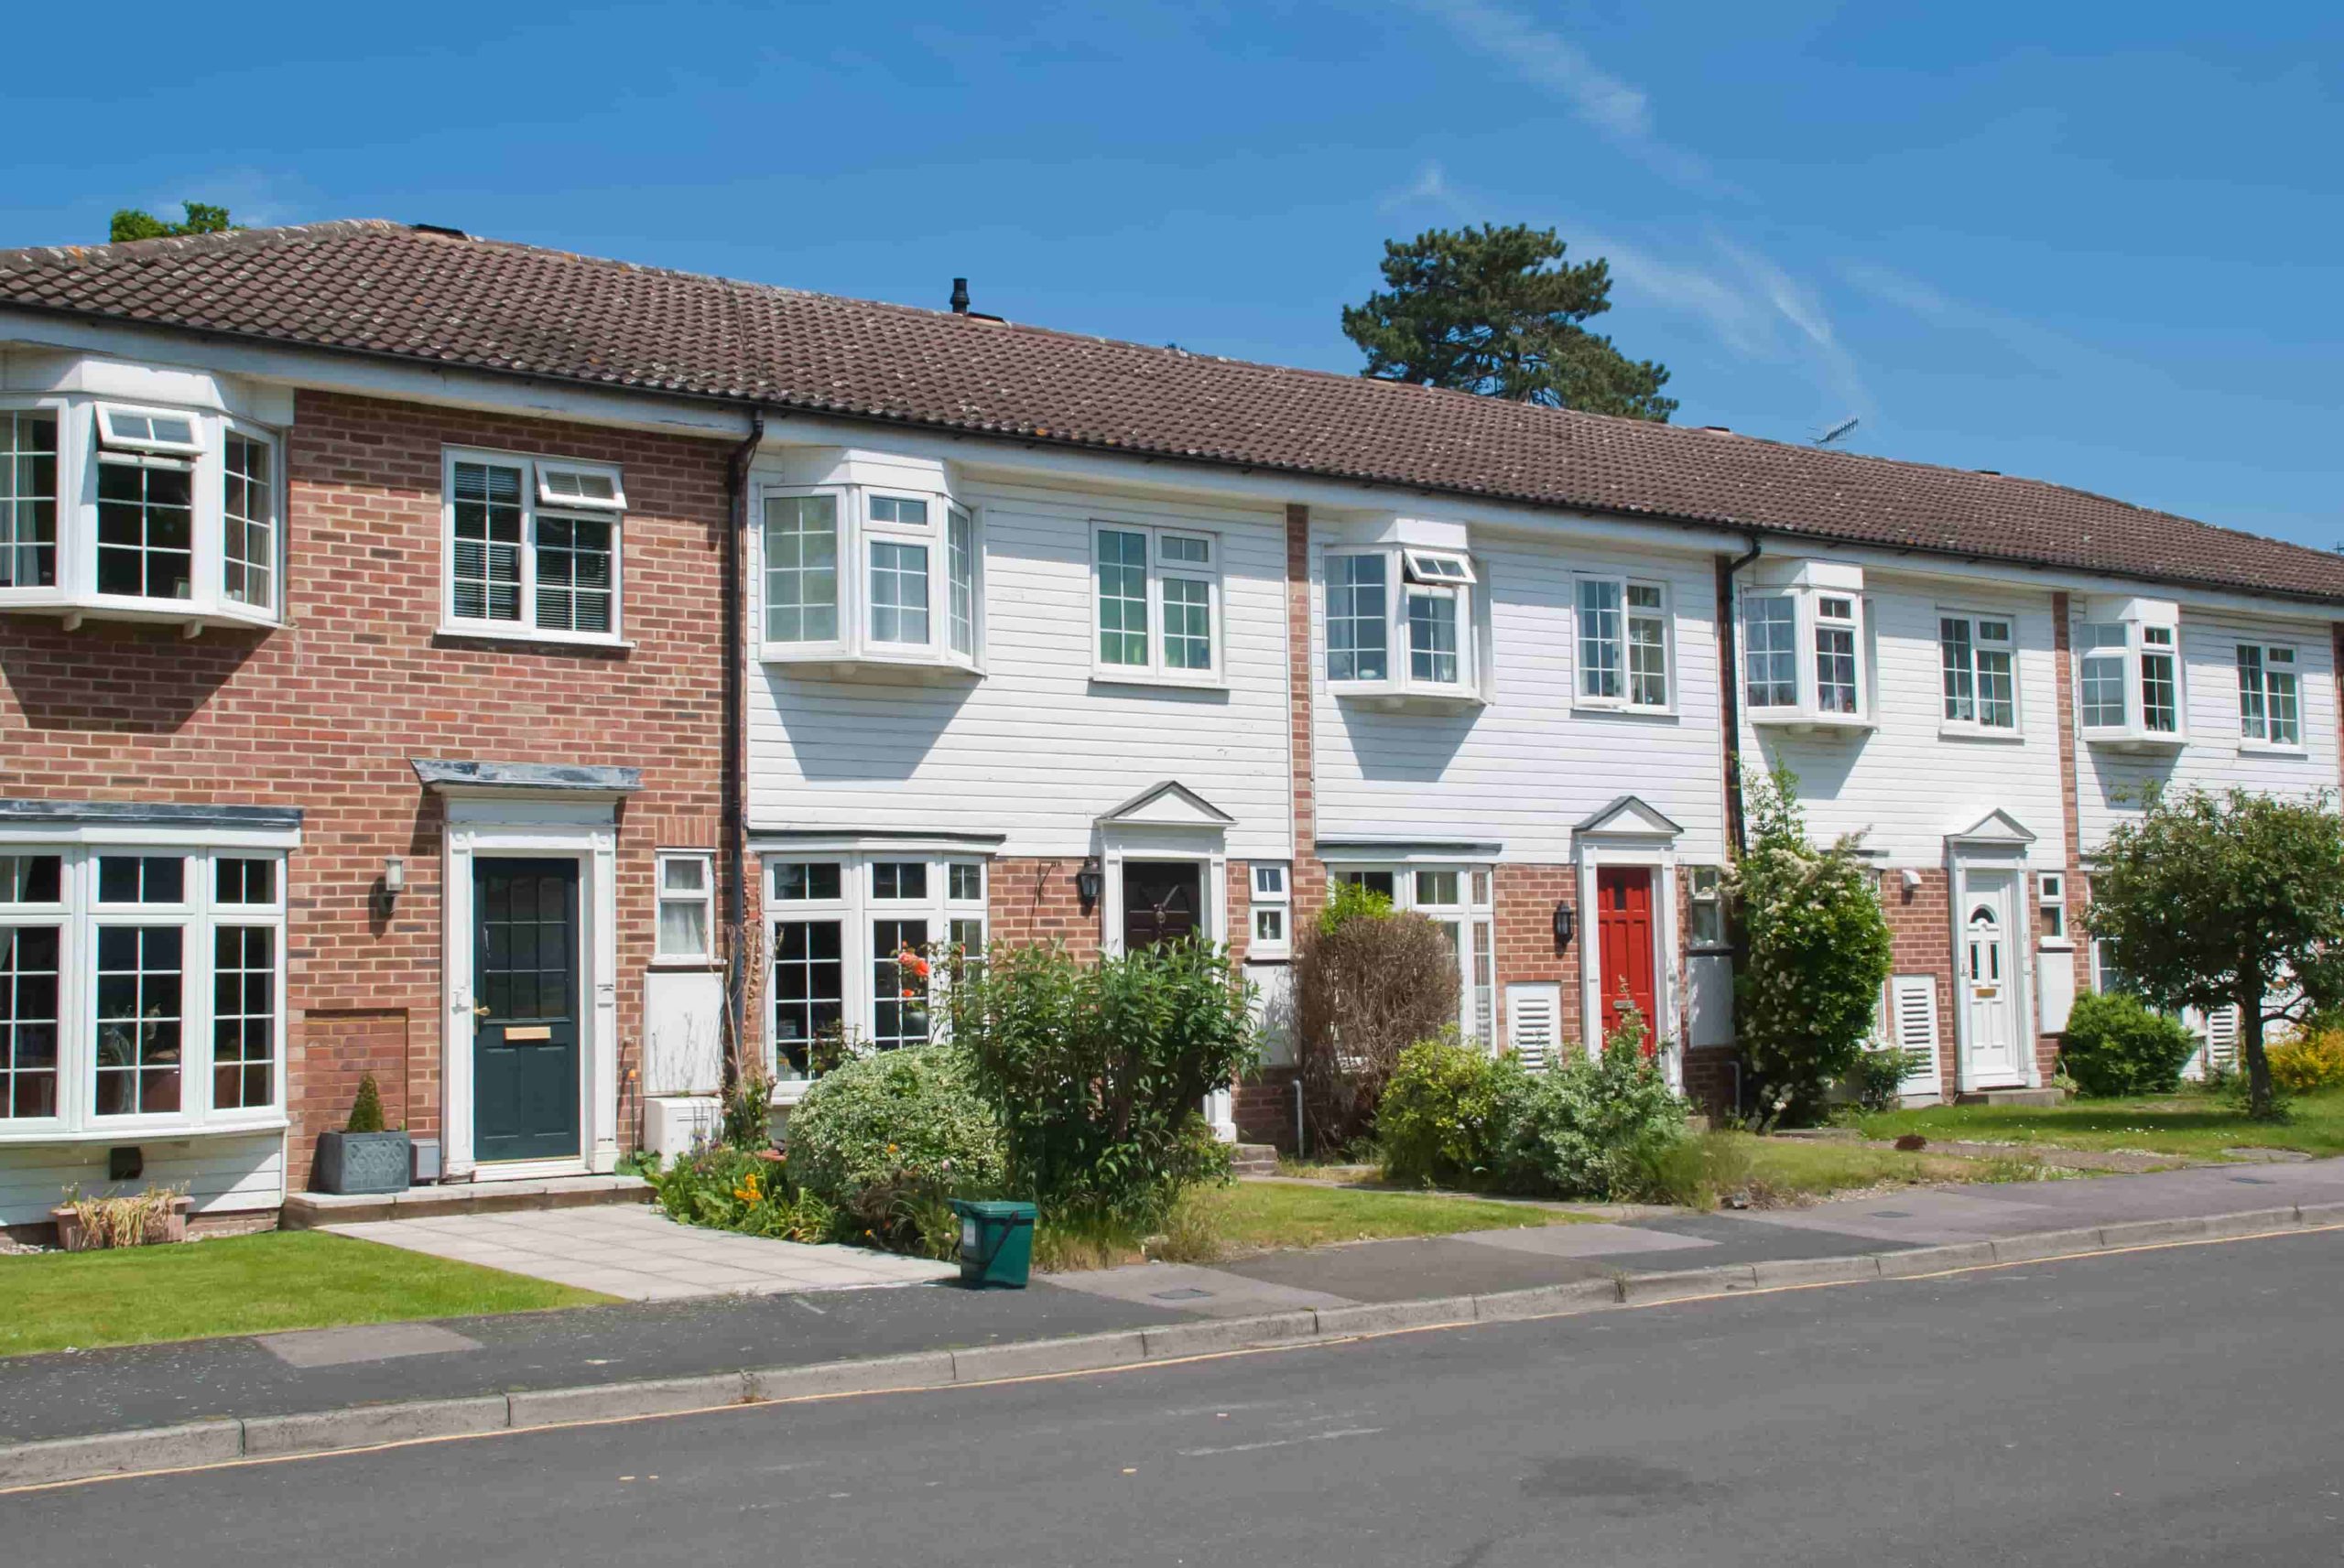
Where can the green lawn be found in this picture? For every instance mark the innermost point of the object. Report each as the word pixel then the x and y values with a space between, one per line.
pixel 1785 1169
pixel 1254 1216
pixel 2190 1123
pixel 244 1284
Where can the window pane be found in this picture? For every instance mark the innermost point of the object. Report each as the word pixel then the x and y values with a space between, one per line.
pixel 1432 637
pixel 683 928
pixel 487 572
pixel 2253 719
pixel 1484 992
pixel 2287 725
pixel 138 1019
pixel 28 499
pixel 965 883
pixel 142 879
pixel 808 988
pixel 235 880
pixel 249 545
pixel 901 511
pixel 1122 597
pixel 2160 709
pixel 1771 662
pixel 1188 625
pixel 1835 666
pixel 29 990
pixel 244 1017
pixel 146 530
pixel 1179 551
pixel 1382 883
pixel 899 879
pixel 801 569
pixel 1647 650
pixel 2104 646
pixel 1599 657
pixel 898 593
pixel 1436 887
pixel 1269 926
pixel 683 874
pixel 1957 655
pixel 1358 616
pixel 898 995
pixel 800 881
pixel 574 574
pixel 1269 881
pixel 31 878
pixel 960 565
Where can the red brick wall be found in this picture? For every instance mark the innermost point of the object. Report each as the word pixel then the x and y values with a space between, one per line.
pixel 1033 903
pixel 1920 931
pixel 1525 897
pixel 324 713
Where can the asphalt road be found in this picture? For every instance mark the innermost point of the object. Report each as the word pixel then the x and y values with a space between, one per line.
pixel 2182 1405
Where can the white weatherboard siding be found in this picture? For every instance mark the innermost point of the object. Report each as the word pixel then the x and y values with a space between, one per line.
pixel 223 1173
pixel 2215 757
pixel 1909 782
pixel 1038 749
pixel 1521 770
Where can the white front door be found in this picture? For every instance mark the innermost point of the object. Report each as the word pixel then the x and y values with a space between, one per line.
pixel 1987 979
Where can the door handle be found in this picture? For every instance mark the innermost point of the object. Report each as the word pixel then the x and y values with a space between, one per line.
pixel 480 1010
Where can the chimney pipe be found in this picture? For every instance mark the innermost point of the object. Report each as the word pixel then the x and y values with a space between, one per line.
pixel 960 297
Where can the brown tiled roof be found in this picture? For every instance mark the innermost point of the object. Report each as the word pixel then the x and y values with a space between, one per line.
pixel 383 288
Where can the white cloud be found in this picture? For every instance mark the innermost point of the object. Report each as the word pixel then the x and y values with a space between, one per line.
pixel 253 197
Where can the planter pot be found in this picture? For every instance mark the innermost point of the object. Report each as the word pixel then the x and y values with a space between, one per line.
pixel 363 1162
pixel 71 1235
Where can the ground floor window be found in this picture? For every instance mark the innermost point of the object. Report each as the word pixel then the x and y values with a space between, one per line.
pixel 1457 899
pixel 139 985
pixel 850 934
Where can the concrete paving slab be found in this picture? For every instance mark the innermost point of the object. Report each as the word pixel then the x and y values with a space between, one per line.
pixel 1597 1240
pixel 363 1342
pixel 1919 1217
pixel 1188 1288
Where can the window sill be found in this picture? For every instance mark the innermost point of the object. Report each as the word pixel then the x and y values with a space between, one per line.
pixel 1799 721
pixel 1395 698
pixel 1108 674
pixel 141 1132
pixel 469 633
pixel 686 965
pixel 835 663
pixel 2266 749
pixel 1975 732
pixel 1582 707
pixel 193 617
pixel 2056 945
pixel 2134 741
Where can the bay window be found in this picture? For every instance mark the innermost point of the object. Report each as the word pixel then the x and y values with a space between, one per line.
pixel 2128 677
pixel 142 988
pixel 841 925
pixel 532 549
pixel 1805 663
pixel 1401 624
pixel 1622 645
pixel 1975 655
pixel 128 513
pixel 1157 604
pixel 857 576
pixel 1457 899
pixel 2269 707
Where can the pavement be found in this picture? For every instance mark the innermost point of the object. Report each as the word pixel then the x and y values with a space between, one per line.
pixel 679 1354
pixel 2142 1409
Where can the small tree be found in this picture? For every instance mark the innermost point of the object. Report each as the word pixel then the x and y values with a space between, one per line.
pixel 1369 982
pixel 1817 953
pixel 131 224
pixel 2210 900
pixel 366 1111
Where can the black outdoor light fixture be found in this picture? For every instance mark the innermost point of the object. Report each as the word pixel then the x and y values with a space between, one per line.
pixel 1565 924
pixel 1086 882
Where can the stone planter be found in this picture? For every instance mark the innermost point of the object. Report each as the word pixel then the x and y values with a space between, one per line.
pixel 363 1162
pixel 73 1237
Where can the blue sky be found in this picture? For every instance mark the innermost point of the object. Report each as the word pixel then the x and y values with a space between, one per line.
pixel 2097 243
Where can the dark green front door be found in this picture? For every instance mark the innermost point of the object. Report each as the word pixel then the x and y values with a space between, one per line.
pixel 525 1014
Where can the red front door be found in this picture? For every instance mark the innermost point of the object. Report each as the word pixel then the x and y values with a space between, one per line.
pixel 1624 939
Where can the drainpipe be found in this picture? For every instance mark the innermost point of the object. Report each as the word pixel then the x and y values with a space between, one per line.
pixel 1730 692
pixel 735 719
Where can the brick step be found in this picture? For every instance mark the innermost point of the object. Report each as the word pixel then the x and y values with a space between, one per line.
pixel 1256 1159
pixel 306 1211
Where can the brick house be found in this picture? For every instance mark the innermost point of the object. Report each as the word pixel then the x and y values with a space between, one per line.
pixel 642 629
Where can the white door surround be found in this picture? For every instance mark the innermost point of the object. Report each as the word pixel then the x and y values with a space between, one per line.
pixel 1170 821
pixel 1631 833
pixel 524 811
pixel 1992 957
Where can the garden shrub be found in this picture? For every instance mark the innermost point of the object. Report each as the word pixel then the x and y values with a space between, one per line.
pixel 1098 1071
pixel 1876 1081
pixel 1596 1127
pixel 729 1189
pixel 1698 1172
pixel 1450 1113
pixel 2116 1045
pixel 367 1110
pixel 1368 984
pixel 899 1120
pixel 2309 1062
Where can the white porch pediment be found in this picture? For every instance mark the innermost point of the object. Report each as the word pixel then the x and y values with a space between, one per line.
pixel 1998 829
pixel 1628 817
pixel 1168 804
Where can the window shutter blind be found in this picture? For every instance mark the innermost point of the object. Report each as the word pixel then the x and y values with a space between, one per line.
pixel 2221 1037
pixel 1533 1024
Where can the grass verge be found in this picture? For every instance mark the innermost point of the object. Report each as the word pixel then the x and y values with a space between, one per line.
pixel 245 1285
pixel 1255 1216
pixel 2191 1123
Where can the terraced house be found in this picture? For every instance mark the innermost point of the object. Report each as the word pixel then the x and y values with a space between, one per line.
pixel 514 674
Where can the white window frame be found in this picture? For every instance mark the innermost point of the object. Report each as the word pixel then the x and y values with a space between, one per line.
pixel 111 436
pixel 2132 656
pixel 1980 645
pixel 81 447
pixel 198 913
pixel 1158 670
pixel 1808 621
pixel 1455 579
pixel 2266 655
pixel 858 531
pixel 1625 701
pixel 526 629
pixel 1270 891
pixel 551 468
pixel 1705 891
pixel 663 956
pixel 855 910
pixel 2051 904
pixel 1474 914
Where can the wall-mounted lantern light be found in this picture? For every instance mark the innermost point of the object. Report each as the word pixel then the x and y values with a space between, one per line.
pixel 1565 922
pixel 1087 884
pixel 394 881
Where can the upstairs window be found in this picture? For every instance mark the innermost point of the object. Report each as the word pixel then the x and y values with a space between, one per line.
pixel 1975 653
pixel 1803 659
pixel 2268 707
pixel 1157 593
pixel 145 504
pixel 1416 602
pixel 1835 654
pixel 27 498
pixel 1622 645
pixel 1770 657
pixel 2128 681
pixel 533 547
pixel 852 574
